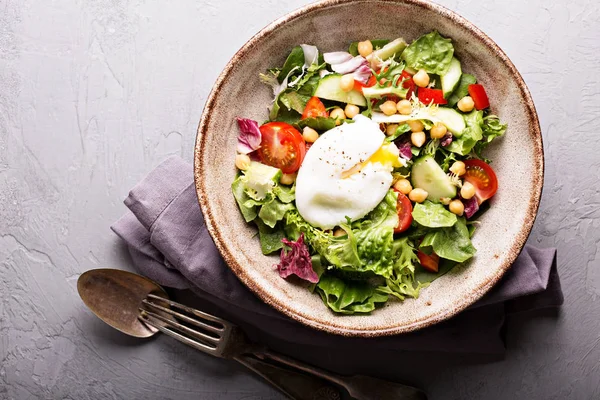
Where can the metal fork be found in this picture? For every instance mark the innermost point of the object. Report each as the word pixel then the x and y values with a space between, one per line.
pixel 220 338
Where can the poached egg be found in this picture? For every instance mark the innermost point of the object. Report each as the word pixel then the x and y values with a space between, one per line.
pixel 345 174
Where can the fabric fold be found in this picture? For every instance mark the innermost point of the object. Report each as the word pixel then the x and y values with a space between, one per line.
pixel 165 232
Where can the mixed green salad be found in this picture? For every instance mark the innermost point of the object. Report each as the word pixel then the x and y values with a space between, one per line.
pixel 369 174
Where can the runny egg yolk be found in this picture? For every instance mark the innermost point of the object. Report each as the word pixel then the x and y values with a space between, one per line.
pixel 387 154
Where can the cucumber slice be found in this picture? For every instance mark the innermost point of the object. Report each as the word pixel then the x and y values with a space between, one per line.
pixel 451 78
pixel 395 47
pixel 329 88
pixel 429 176
pixel 453 120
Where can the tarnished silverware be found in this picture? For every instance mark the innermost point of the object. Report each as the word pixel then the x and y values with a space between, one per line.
pixel 146 309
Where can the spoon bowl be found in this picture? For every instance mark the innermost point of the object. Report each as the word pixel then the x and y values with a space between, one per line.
pixel 115 296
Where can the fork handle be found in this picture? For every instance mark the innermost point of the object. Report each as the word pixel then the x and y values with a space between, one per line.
pixel 359 387
pixel 291 382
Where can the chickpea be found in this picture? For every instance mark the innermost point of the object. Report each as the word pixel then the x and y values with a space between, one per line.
pixel 418 195
pixel 457 207
pixel 365 48
pixel 309 134
pixel 445 200
pixel 339 232
pixel 438 131
pixel 339 114
pixel 466 104
pixel 418 138
pixel 421 78
pixel 404 107
pixel 242 161
pixel 287 179
pixel 391 129
pixel 415 125
pixel 459 168
pixel 467 191
pixel 388 108
pixel 347 82
pixel 403 186
pixel 351 110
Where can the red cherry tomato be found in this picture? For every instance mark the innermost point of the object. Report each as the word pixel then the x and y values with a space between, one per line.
pixel 483 177
pixel 479 96
pixel 404 209
pixel 428 95
pixel 429 261
pixel 282 146
pixel 314 108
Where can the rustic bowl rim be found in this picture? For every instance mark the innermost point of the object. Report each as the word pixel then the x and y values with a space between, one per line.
pixel 469 298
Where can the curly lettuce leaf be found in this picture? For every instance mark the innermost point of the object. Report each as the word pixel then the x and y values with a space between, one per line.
pixel 430 52
pixel 491 128
pixel 402 282
pixel 470 136
pixel 453 243
pixel 349 297
pixel 433 215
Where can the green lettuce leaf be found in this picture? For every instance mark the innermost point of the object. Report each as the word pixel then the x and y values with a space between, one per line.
pixel 424 276
pixel 400 130
pixel 470 136
pixel 294 60
pixel 270 238
pixel 452 243
pixel 292 100
pixel 462 89
pixel 249 212
pixel 348 297
pixel 433 215
pixel 317 123
pixel 274 211
pixel 430 52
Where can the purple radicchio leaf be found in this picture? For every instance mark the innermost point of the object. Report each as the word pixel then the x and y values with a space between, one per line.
pixel 362 73
pixel 296 261
pixel 349 66
pixel 447 139
pixel 249 137
pixel 471 206
pixel 405 147
pixel 337 57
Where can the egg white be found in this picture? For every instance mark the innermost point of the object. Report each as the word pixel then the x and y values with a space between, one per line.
pixel 325 193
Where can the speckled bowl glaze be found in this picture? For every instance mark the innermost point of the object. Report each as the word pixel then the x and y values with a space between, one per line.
pixel 331 25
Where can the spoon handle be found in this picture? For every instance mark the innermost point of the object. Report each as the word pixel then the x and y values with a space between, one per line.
pixel 293 383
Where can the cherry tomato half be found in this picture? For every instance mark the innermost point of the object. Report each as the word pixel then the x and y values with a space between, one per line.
pixel 314 108
pixel 282 146
pixel 404 209
pixel 430 262
pixel 483 177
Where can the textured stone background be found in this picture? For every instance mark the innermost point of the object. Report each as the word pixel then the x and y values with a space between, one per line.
pixel 94 93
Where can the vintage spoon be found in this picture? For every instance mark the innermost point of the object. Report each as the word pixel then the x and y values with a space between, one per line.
pixel 139 307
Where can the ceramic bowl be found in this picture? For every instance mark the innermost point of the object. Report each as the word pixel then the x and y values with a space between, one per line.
pixel 331 25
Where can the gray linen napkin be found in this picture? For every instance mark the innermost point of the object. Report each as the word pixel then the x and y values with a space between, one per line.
pixel 168 242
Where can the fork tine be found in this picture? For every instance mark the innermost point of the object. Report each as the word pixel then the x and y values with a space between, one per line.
pixel 181 328
pixel 184 318
pixel 177 336
pixel 190 310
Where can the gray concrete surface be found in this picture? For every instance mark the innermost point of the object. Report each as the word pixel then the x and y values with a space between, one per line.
pixel 94 93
